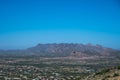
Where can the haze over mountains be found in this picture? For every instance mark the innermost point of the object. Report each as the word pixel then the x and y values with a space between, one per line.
pixel 63 50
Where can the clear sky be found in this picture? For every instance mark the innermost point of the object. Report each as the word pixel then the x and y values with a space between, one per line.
pixel 25 23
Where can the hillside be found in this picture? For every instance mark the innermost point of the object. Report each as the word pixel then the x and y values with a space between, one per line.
pixel 106 74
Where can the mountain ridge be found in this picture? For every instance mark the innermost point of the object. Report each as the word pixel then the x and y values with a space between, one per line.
pixel 64 50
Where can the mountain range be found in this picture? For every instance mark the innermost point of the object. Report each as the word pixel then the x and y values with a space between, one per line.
pixel 63 50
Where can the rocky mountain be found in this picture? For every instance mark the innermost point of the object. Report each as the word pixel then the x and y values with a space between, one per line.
pixel 63 50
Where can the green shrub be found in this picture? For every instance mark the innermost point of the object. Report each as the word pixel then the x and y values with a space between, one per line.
pixel 103 79
pixel 118 67
pixel 108 76
pixel 115 75
pixel 103 72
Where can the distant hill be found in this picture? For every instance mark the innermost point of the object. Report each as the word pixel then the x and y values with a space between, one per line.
pixel 64 50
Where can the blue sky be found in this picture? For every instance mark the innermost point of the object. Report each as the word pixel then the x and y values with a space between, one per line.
pixel 25 23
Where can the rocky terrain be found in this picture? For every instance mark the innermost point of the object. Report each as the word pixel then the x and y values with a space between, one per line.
pixel 105 74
